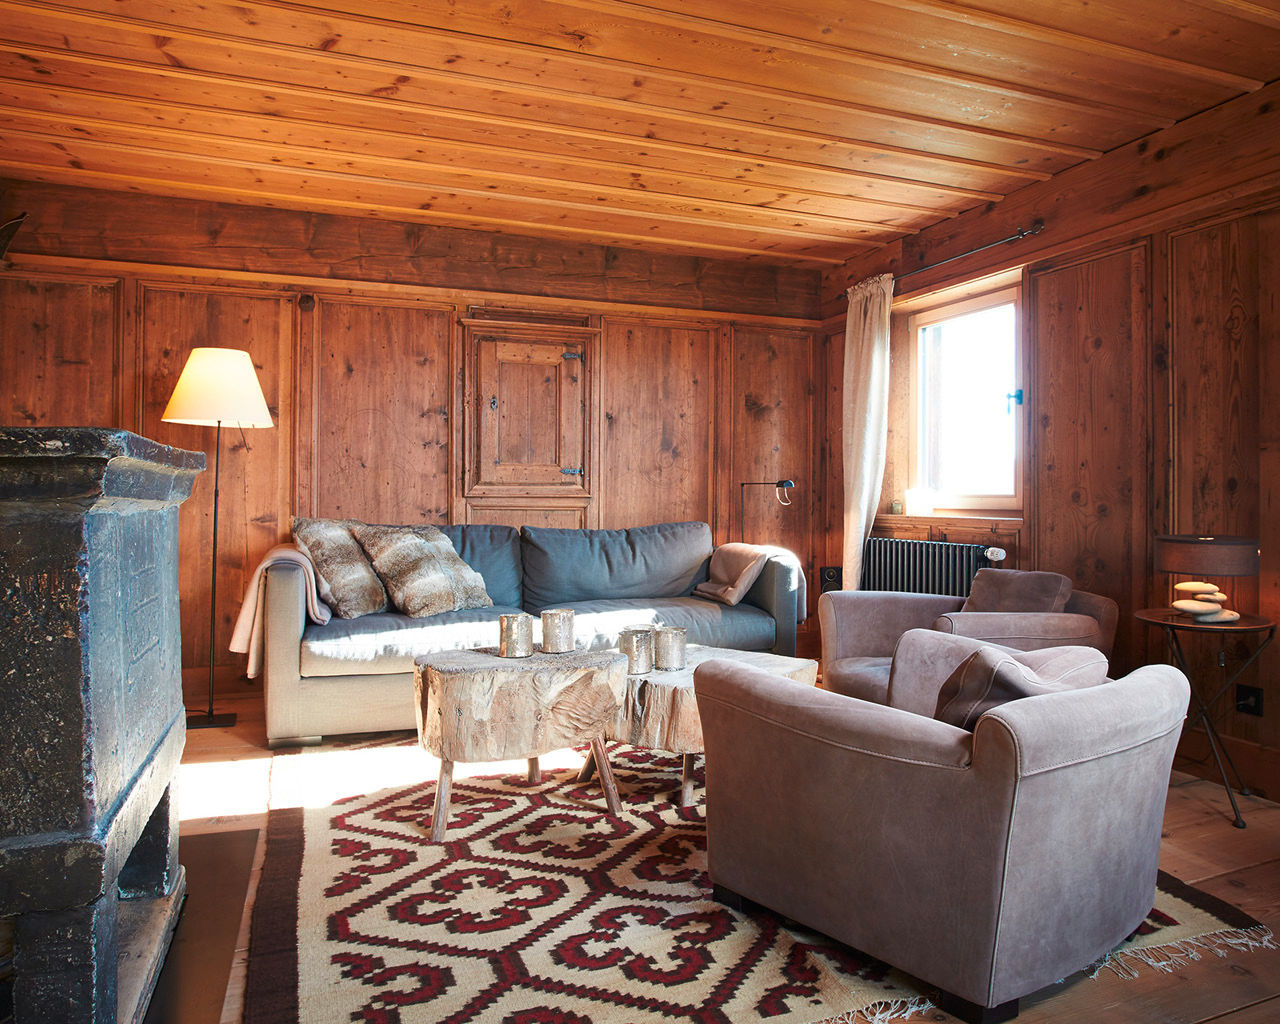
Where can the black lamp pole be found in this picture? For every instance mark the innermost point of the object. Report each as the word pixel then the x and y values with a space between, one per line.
pixel 779 485
pixel 208 720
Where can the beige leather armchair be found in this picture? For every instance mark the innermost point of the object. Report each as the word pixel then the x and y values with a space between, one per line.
pixel 861 628
pixel 989 864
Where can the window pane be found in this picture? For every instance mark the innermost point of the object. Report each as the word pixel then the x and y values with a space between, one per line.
pixel 968 422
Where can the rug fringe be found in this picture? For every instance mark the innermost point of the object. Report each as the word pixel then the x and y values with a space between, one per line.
pixel 1167 958
pixel 882 1013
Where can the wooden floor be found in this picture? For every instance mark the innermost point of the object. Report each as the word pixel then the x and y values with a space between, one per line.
pixel 1241 866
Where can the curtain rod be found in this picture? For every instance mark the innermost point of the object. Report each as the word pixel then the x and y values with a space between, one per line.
pixel 1035 229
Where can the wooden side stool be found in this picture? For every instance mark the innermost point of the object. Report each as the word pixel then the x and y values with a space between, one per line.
pixel 473 706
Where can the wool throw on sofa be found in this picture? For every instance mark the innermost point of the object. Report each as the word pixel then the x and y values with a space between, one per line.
pixel 347 581
pixel 423 573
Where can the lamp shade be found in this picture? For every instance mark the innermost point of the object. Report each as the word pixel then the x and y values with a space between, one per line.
pixel 218 385
pixel 1191 555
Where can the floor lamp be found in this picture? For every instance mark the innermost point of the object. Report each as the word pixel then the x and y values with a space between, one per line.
pixel 781 487
pixel 217 386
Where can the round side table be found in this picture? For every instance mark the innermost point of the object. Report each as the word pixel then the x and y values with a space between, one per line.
pixel 1173 622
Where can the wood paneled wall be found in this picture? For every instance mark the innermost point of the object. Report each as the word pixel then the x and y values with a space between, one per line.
pixel 1154 328
pixel 1151 370
pixel 365 382
pixel 659 431
pixel 1089 401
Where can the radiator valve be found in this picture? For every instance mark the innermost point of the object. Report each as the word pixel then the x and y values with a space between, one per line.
pixel 995 554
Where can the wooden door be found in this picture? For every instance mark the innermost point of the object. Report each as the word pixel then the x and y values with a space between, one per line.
pixel 526 423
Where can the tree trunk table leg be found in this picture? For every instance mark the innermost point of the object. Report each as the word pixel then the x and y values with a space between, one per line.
pixel 686 780
pixel 588 766
pixel 606 776
pixel 441 816
pixel 535 775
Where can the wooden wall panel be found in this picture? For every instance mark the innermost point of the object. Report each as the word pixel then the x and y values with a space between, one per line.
pixel 61 352
pixel 771 437
pixel 516 513
pixel 1269 465
pixel 1214 343
pixel 658 435
pixel 382 406
pixel 101 225
pixel 255 481
pixel 1216 443
pixel 1089 410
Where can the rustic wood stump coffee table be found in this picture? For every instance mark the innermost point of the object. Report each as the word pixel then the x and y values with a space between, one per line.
pixel 475 706
pixel 660 711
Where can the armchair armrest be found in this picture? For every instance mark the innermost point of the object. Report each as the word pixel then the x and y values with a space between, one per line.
pixel 868 623
pixel 1057 730
pixel 780 591
pixel 1024 631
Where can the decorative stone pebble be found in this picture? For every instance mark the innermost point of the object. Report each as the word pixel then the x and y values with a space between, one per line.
pixel 1220 597
pixel 1195 588
pixel 1221 615
pixel 1194 607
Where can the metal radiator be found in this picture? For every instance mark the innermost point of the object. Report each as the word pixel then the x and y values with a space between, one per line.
pixel 923 566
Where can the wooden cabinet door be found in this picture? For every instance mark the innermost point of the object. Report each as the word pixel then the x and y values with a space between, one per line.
pixel 528 406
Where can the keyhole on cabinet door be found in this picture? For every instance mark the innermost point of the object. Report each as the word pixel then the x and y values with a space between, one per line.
pixel 493 402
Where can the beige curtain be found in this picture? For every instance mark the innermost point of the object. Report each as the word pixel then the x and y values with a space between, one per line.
pixel 866 413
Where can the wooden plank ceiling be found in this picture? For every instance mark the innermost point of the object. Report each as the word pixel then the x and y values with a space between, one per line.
pixel 789 130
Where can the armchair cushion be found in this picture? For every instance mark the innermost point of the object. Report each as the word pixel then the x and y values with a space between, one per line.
pixel 992 676
pixel 1013 590
pixel 734 567
pixel 346 579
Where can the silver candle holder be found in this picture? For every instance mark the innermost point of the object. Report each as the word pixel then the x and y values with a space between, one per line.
pixel 637 644
pixel 668 648
pixel 557 630
pixel 515 635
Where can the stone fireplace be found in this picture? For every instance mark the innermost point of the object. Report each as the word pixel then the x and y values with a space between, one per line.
pixel 91 717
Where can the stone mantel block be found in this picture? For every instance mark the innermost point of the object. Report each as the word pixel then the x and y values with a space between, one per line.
pixel 91 718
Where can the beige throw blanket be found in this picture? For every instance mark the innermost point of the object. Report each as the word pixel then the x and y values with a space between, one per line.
pixel 247 636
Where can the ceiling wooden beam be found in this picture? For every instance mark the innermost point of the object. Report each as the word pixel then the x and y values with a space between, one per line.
pixel 1021 28
pixel 696 99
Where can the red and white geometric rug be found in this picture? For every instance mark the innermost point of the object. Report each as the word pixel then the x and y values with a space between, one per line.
pixel 541 909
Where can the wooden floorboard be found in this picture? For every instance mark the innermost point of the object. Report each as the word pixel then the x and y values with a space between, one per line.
pixel 1199 846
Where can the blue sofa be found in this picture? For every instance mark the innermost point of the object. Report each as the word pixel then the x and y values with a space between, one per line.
pixel 356 675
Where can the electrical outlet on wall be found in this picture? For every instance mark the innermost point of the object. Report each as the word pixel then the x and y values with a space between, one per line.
pixel 1248 699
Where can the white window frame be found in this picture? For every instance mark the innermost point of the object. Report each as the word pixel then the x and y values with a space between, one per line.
pixel 946 311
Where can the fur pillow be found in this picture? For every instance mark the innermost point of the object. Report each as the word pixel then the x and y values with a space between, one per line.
pixel 991 676
pixel 1015 590
pixel 345 578
pixel 421 570
pixel 734 567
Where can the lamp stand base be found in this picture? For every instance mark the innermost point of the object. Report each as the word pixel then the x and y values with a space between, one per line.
pixel 205 721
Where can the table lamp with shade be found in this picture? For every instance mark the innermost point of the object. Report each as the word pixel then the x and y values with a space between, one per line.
pixel 217 386
pixel 1205 557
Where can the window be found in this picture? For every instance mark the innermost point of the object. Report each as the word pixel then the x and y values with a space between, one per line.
pixel 968 403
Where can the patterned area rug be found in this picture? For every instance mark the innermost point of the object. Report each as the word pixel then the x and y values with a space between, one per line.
pixel 540 909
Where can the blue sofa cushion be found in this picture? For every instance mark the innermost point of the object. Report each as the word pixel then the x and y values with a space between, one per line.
pixel 566 566
pixel 493 552
pixel 596 624
pixel 387 642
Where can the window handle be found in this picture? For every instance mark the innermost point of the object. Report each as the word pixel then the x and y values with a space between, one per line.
pixel 1011 399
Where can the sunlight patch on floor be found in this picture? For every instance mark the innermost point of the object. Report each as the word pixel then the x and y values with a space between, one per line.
pixel 223 789
pixel 321 776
